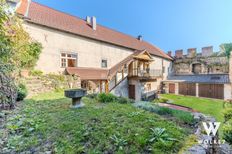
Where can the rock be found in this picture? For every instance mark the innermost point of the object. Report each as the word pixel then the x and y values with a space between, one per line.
pixel 225 149
pixel 197 116
pixel 196 149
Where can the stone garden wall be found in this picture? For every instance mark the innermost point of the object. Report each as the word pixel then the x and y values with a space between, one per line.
pixel 49 82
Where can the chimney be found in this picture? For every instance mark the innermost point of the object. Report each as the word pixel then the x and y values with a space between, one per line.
pixel 88 20
pixel 170 53
pixel 192 52
pixel 140 38
pixel 179 53
pixel 207 51
pixel 94 23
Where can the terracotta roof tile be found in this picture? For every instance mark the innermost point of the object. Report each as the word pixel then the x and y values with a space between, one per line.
pixel 46 16
pixel 88 73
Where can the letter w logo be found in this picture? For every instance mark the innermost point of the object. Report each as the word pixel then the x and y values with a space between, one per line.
pixel 213 127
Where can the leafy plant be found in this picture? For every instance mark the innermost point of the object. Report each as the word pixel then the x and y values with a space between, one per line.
pixel 21 92
pixel 160 135
pixel 118 141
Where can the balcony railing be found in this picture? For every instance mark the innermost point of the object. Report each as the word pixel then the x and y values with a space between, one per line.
pixel 146 73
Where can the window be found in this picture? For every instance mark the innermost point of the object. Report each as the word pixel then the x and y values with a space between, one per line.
pixel 68 60
pixel 125 70
pixel 163 69
pixel 104 63
pixel 148 87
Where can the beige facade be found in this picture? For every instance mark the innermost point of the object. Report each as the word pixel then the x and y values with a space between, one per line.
pixel 89 52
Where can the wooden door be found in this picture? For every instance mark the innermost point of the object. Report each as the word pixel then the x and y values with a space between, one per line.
pixel 187 89
pixel 172 88
pixel 211 91
pixel 132 91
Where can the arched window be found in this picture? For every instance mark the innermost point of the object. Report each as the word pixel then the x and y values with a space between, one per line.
pixel 196 68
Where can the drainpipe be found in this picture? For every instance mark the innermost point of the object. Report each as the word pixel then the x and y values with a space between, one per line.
pixel 28 7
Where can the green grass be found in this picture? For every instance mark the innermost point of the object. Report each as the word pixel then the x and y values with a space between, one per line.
pixel 47 122
pixel 211 107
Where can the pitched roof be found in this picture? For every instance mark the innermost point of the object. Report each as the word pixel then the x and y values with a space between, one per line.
pixel 43 15
pixel 88 73
pixel 201 78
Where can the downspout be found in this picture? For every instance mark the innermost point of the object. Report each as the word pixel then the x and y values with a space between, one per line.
pixel 28 7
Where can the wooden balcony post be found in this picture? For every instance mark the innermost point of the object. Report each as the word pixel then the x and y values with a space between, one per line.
pixel 107 86
pixel 100 86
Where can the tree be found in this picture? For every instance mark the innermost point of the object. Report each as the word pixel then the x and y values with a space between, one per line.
pixel 227 48
pixel 26 50
pixel 7 87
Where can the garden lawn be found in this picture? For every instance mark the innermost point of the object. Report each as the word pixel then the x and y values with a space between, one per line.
pixel 46 122
pixel 207 106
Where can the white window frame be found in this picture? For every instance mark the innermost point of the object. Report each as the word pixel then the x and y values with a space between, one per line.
pixel 66 58
pixel 106 62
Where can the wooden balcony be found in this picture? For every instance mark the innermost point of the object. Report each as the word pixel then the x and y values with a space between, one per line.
pixel 145 74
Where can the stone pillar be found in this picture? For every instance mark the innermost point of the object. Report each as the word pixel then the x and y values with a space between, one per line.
pixel 170 53
pixel 192 52
pixel 197 89
pixel 207 51
pixel 167 88
pixel 177 88
pixel 179 53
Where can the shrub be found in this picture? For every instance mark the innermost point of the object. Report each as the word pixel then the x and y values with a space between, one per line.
pixel 160 100
pixel 124 100
pixel 227 114
pixel 186 117
pixel 21 92
pixel 182 116
pixel 164 111
pixel 163 100
pixel 106 98
pixel 36 73
pixel 92 96
pixel 8 92
pixel 227 131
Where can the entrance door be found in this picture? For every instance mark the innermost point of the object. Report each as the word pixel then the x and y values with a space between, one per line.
pixel 172 88
pixel 132 91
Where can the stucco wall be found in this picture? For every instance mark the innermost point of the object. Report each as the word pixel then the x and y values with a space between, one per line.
pixel 121 89
pixel 227 91
pixel 90 52
pixel 158 63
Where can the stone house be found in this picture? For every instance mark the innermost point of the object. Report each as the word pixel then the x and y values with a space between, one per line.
pixel 204 74
pixel 106 60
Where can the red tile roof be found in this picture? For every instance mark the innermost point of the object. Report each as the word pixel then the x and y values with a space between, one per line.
pixel 88 73
pixel 49 17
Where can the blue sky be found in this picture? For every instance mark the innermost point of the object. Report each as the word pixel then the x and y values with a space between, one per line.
pixel 168 24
